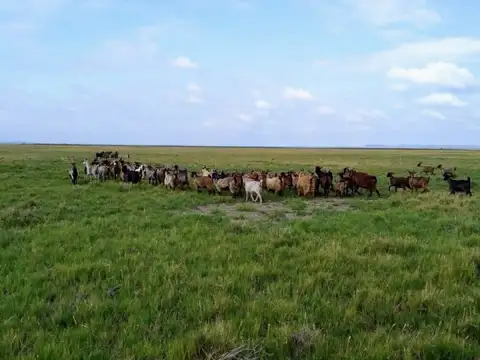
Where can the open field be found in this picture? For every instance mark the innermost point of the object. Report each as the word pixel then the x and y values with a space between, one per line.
pixel 93 272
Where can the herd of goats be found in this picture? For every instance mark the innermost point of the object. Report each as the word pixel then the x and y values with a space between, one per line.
pixel 108 165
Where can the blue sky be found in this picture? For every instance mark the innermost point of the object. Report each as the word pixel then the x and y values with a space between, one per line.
pixel 240 72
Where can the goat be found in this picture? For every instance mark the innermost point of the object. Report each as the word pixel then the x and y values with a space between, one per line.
pixel 306 185
pixel 418 182
pixel 160 175
pixel 449 171
pixel 253 187
pixel 273 183
pixel 397 182
pixel 150 174
pixel 236 185
pixel 287 179
pixel 341 188
pixel 232 183
pixel 169 179
pixel 89 170
pixel 205 171
pixel 351 184
pixel 181 178
pixel 455 186
pixel 73 174
pixel 101 172
pixel 428 169
pixel 202 182
pixel 364 181
pixel 131 176
pixel 324 180
pixel 117 169
pixel 221 183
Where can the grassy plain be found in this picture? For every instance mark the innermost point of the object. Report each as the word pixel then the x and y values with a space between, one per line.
pixel 93 272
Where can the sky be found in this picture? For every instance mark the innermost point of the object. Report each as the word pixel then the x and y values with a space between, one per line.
pixel 240 72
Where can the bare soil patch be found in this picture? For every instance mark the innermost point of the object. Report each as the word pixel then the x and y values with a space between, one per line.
pixel 273 210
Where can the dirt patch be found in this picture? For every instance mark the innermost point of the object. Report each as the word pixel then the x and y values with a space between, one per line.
pixel 273 211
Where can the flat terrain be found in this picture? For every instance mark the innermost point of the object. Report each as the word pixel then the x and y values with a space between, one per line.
pixel 94 272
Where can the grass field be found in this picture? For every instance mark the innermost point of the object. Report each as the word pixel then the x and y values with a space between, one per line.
pixel 93 272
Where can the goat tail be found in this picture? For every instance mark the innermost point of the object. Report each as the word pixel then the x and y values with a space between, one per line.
pixel 469 180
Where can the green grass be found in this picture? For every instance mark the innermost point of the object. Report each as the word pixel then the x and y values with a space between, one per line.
pixel 97 273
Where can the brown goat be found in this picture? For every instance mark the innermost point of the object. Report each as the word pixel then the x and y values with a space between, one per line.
pixel 254 175
pixel 236 184
pixel 364 181
pixel 428 169
pixel 306 185
pixel 273 182
pixel 341 188
pixel 351 184
pixel 324 180
pixel 397 182
pixel 202 182
pixel 287 179
pixel 232 183
pixel 420 182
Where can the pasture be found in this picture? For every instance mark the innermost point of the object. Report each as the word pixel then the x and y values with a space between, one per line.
pixel 93 272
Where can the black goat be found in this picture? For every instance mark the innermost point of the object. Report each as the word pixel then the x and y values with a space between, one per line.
pixel 131 176
pixel 455 186
pixel 73 174
pixel 324 180
pixel 397 182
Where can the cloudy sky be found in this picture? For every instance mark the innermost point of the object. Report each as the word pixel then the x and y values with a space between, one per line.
pixel 240 72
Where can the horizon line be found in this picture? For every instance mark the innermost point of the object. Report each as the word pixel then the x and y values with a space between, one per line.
pixel 364 147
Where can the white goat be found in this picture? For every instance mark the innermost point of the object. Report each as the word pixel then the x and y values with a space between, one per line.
pixel 169 180
pixel 100 172
pixel 90 170
pixel 253 187
pixel 206 172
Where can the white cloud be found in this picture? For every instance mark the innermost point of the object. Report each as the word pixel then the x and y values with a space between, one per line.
pixel 194 99
pixel 242 5
pixel 263 105
pixel 376 114
pixel 449 49
pixel 184 63
pixel 388 12
pixel 366 116
pixel 321 63
pixel 397 35
pixel 325 110
pixel 354 118
pixel 297 94
pixel 16 27
pixel 434 114
pixel 398 87
pixel 244 117
pixel 193 87
pixel 435 73
pixel 442 99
